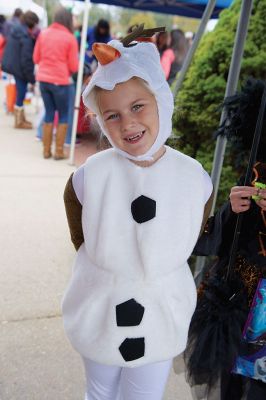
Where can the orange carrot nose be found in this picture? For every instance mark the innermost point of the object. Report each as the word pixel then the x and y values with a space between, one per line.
pixel 105 53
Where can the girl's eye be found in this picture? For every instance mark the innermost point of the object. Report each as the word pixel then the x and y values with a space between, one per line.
pixel 112 116
pixel 137 107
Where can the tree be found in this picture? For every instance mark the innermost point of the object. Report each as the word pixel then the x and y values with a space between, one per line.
pixel 159 19
pixel 186 24
pixel 50 6
pixel 98 12
pixel 197 112
pixel 164 20
pixel 125 14
pixel 143 18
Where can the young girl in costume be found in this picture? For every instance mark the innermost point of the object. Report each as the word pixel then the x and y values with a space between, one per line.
pixel 227 338
pixel 135 212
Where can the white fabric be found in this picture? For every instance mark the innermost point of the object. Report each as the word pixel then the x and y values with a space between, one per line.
pixel 115 383
pixel 143 61
pixel 121 259
pixel 78 184
pixel 8 7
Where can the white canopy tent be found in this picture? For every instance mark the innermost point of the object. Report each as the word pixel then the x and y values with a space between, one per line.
pixel 8 7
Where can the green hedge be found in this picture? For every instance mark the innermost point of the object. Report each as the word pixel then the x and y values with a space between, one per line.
pixel 197 112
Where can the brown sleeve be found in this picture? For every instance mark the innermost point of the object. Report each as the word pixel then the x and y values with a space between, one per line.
pixel 73 212
pixel 207 210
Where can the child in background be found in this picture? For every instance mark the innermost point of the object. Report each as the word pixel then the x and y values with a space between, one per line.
pixel 231 303
pixel 135 212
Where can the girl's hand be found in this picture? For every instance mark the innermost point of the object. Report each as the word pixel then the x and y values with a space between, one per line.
pixel 240 198
pixel 262 202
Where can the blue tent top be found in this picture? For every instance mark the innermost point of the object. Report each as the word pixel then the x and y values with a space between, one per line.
pixel 185 8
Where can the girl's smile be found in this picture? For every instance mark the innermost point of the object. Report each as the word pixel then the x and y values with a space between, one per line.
pixel 130 115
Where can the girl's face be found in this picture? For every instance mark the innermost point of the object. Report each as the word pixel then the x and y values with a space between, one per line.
pixel 130 115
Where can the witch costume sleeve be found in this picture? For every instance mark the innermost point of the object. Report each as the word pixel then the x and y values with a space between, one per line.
pixel 227 334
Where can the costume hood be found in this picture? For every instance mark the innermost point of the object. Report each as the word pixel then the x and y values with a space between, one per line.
pixel 118 64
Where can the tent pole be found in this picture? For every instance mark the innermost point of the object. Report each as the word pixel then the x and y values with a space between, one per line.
pixel 231 87
pixel 203 23
pixel 79 80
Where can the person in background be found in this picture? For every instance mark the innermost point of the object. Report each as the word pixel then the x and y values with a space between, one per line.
pixel 17 60
pixel 162 40
pixel 227 337
pixel 56 53
pixel 83 125
pixel 99 33
pixel 172 58
pixel 15 20
pixel 2 23
pixel 2 37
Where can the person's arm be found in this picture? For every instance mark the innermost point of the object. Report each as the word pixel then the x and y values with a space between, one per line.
pixel 217 234
pixel 37 51
pixel 73 62
pixel 167 59
pixel 207 211
pixel 74 212
pixel 213 228
pixel 240 198
pixel 27 65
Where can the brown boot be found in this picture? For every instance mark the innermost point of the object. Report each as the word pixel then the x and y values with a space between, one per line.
pixel 20 122
pixel 26 122
pixel 59 141
pixel 47 138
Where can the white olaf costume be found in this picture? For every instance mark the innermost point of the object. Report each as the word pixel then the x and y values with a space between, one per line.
pixel 132 295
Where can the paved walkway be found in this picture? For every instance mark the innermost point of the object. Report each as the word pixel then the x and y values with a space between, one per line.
pixel 36 360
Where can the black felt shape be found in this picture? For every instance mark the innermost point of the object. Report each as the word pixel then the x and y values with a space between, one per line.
pixel 143 209
pixel 132 349
pixel 129 313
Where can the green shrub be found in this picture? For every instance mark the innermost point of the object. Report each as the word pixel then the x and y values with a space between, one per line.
pixel 197 112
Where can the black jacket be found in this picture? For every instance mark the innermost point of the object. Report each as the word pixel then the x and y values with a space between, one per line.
pixel 17 58
pixel 218 240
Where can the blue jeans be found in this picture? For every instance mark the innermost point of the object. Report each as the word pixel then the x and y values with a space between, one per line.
pixel 55 97
pixel 21 87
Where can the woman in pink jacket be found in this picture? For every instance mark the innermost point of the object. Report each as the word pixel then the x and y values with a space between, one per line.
pixel 172 58
pixel 56 53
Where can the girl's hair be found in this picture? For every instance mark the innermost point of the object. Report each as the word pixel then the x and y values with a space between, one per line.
pixel 18 13
pixel 64 17
pixel 179 45
pixel 2 19
pixel 30 19
pixel 162 41
pixel 102 25
pixel 97 89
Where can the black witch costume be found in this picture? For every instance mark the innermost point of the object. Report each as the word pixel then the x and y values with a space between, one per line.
pixel 227 337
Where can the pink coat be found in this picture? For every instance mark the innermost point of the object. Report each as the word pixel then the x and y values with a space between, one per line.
pixel 168 57
pixel 56 53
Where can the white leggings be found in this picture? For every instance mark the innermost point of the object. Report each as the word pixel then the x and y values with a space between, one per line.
pixel 115 383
